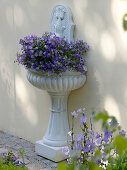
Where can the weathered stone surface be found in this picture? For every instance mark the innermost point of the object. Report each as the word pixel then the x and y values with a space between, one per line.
pixel 3 150
pixel 16 144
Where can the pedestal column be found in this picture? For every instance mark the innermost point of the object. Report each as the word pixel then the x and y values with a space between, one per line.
pixel 58 127
pixel 56 136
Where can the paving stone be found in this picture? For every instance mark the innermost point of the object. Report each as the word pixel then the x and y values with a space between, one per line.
pixel 39 158
pixel 6 135
pixel 35 166
pixel 13 138
pixel 10 144
pixel 25 160
pixel 31 149
pixel 17 147
pixel 46 169
pixel 3 150
pixel 53 164
pixel 1 145
pixel 27 144
pixel 15 144
pixel 29 154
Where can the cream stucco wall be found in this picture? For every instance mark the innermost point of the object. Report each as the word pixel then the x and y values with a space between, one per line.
pixel 24 108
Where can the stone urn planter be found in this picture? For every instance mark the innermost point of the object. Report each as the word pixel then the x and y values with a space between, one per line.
pixel 54 53
pixel 50 146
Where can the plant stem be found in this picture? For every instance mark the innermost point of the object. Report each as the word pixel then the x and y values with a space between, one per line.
pixel 72 132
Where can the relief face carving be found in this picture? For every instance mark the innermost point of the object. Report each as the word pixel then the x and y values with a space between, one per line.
pixel 61 22
pixel 58 25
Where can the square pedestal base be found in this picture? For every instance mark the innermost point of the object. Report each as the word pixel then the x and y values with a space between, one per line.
pixel 53 153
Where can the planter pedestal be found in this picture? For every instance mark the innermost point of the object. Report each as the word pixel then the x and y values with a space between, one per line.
pixel 56 136
pixel 59 89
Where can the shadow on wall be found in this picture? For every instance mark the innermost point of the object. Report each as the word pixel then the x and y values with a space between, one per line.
pixel 19 110
pixel 100 23
pixel 106 88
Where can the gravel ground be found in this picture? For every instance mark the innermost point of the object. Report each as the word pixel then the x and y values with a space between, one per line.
pixel 15 144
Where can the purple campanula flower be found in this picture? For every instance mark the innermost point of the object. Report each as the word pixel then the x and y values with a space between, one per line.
pixel 21 41
pixel 31 52
pixel 92 147
pixel 87 141
pixel 93 135
pixel 107 135
pixel 69 161
pixel 32 56
pixel 116 125
pixel 80 159
pixel 80 137
pixel 98 161
pixel 14 158
pixel 49 74
pixel 112 123
pixel 36 54
pixel 122 132
pixel 86 149
pixel 79 110
pixel 83 120
pixel 28 47
pixel 74 114
pixel 17 162
pixel 37 69
pixel 36 48
pixel 65 150
pixel 98 135
pixel 38 43
pixel 99 140
pixel 86 156
pixel 61 55
pixel 104 155
pixel 79 146
pixel 40 53
pixel 4 154
pixel 89 130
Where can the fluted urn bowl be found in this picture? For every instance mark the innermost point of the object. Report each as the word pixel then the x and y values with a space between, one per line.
pixel 59 89
pixel 69 81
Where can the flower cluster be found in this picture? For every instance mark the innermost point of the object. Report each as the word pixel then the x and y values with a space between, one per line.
pixel 9 157
pixel 51 54
pixel 86 145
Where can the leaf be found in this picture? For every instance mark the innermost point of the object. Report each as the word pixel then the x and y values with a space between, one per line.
pixel 114 120
pixel 102 115
pixel 82 167
pixel 62 165
pixel 97 154
pixel 120 143
pixel 93 166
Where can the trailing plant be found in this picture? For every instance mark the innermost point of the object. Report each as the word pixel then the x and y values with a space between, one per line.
pixel 95 150
pixel 51 54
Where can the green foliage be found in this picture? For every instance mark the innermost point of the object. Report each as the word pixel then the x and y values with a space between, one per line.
pixel 9 162
pixel 121 144
pixel 9 158
pixel 64 166
pixel 115 150
pixel 9 166
pixel 105 117
pixel 91 166
pixel 120 163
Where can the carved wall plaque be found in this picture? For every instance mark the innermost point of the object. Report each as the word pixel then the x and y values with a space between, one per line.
pixel 61 22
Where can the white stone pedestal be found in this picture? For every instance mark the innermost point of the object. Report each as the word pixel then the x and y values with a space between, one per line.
pixel 59 89
pixel 53 153
pixel 56 136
